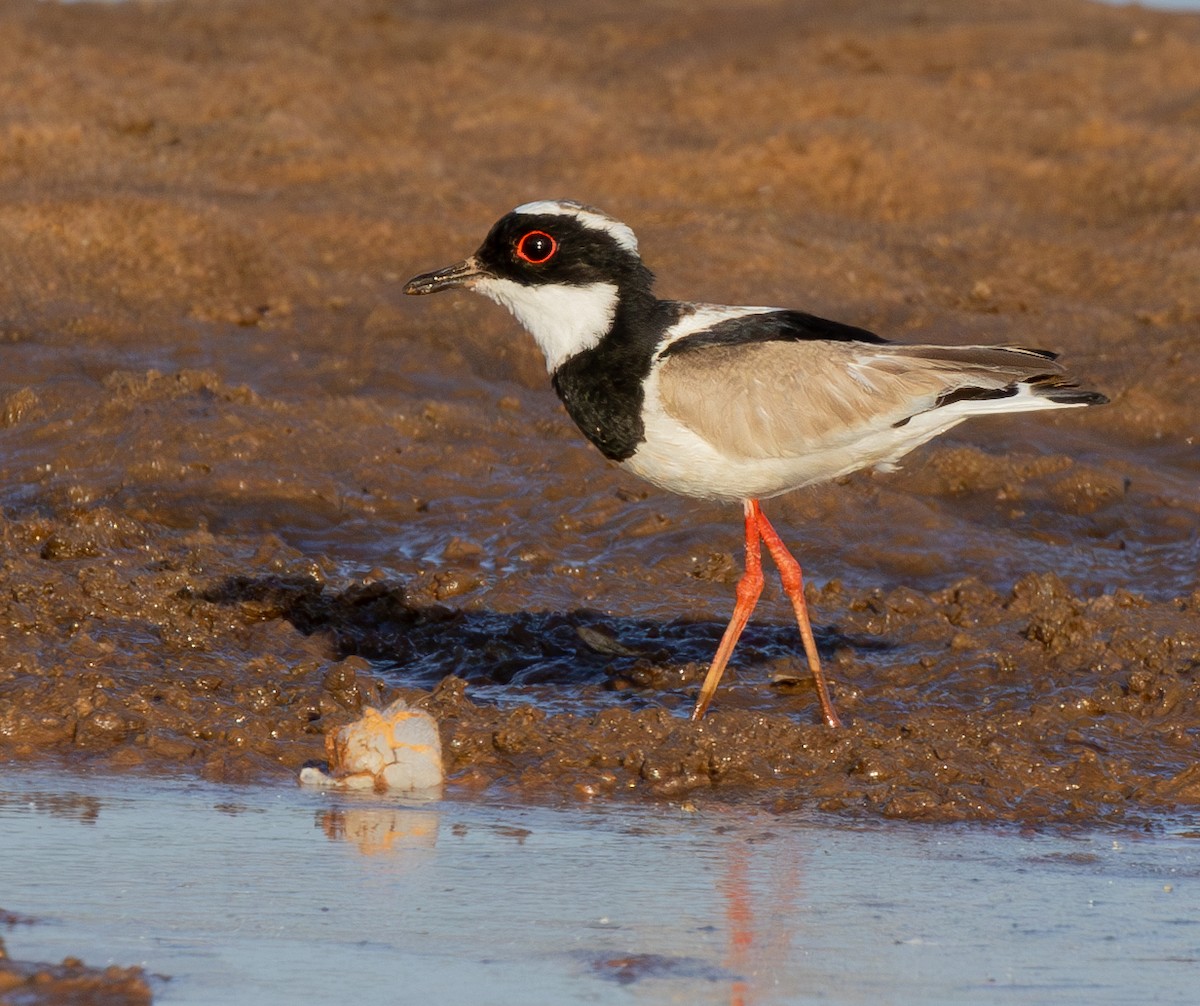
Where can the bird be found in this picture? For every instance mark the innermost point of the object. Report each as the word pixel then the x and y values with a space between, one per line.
pixel 728 403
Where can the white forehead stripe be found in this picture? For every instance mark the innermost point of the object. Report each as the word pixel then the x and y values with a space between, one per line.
pixel 619 232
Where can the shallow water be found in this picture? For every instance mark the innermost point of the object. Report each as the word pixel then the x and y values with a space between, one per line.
pixel 281 895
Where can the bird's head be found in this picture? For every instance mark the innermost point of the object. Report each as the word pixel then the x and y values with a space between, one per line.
pixel 560 267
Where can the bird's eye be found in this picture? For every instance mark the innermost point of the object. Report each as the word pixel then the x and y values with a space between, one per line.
pixel 536 247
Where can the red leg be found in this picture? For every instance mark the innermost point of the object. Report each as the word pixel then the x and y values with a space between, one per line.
pixel 748 589
pixel 793 585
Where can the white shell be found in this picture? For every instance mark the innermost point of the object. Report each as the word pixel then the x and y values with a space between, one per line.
pixel 397 748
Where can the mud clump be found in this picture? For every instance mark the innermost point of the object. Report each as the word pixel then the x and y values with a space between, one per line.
pixel 38 984
pixel 246 491
pixel 73 981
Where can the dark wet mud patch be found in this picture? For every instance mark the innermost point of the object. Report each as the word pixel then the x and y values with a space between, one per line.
pixel 417 642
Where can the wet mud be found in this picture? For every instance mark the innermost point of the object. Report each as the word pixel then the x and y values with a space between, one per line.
pixel 246 488
pixel 42 984
pixel 72 981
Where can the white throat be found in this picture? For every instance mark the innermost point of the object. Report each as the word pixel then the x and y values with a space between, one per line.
pixel 563 320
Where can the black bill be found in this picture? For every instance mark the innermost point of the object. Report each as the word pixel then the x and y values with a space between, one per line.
pixel 459 274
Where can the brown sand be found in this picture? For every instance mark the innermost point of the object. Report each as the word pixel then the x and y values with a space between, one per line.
pixel 248 487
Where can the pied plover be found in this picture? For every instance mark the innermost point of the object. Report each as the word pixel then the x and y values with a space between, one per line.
pixel 730 403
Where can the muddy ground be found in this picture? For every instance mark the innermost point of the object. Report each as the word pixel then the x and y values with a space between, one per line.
pixel 247 487
pixel 72 981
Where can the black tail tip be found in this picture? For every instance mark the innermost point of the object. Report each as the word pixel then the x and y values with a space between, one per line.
pixel 1064 396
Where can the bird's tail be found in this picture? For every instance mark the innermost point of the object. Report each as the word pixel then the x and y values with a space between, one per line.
pixel 1005 379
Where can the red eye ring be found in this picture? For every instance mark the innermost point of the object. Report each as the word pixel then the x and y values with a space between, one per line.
pixel 537 247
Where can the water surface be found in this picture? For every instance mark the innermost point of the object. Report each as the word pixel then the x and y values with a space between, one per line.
pixel 282 895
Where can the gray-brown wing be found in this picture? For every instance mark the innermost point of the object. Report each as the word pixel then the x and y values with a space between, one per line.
pixel 785 399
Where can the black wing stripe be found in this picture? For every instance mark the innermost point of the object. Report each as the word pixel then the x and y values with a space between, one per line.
pixel 973 395
pixel 771 326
